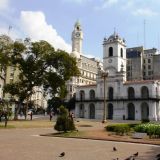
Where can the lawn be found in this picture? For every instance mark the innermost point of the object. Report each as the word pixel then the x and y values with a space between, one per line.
pixel 28 124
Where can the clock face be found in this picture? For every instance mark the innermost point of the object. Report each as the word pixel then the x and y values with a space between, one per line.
pixel 110 60
pixel 77 34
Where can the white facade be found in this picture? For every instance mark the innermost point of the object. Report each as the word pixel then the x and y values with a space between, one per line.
pixel 133 100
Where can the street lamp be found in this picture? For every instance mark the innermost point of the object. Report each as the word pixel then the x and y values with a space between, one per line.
pixel 104 75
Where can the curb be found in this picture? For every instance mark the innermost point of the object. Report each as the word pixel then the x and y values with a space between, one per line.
pixel 101 139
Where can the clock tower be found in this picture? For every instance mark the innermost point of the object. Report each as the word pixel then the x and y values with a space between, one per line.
pixel 114 55
pixel 77 38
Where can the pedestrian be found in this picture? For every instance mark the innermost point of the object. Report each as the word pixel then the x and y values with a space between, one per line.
pixel 50 116
pixel 72 116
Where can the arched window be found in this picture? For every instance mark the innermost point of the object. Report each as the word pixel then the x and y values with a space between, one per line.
pixel 81 111
pixel 110 111
pixel 82 95
pixel 131 93
pixel 144 111
pixel 110 51
pixel 144 92
pixel 110 93
pixel 121 52
pixel 131 111
pixel 92 94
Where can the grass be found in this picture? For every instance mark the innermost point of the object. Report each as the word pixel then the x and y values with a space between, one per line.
pixel 8 126
pixel 66 134
pixel 28 124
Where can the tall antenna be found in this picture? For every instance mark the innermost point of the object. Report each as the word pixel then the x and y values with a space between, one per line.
pixel 158 43
pixel 9 29
pixel 114 31
pixel 144 33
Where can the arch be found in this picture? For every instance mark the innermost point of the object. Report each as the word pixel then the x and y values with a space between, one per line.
pixel 122 52
pixel 92 94
pixel 81 110
pixel 131 111
pixel 144 111
pixel 82 95
pixel 144 92
pixel 92 111
pixel 110 51
pixel 110 111
pixel 110 93
pixel 131 93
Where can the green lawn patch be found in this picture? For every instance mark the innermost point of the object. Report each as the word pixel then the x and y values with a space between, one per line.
pixel 2 126
pixel 66 134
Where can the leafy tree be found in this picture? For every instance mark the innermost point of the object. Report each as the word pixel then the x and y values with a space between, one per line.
pixel 39 65
pixel 64 121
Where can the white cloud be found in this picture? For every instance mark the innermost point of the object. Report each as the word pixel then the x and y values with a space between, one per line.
pixel 4 4
pixel 35 26
pixel 144 12
pixel 106 4
pixel 128 5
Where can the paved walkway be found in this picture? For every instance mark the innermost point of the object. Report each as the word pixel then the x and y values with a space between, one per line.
pixel 24 144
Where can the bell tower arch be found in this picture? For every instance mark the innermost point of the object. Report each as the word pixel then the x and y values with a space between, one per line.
pixel 77 38
pixel 114 54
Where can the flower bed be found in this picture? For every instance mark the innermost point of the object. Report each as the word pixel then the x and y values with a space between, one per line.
pixel 153 130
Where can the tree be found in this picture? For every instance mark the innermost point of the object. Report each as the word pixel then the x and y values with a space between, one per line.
pixel 5 111
pixel 64 121
pixel 62 67
pixel 40 65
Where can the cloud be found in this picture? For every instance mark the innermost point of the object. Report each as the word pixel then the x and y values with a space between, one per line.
pixel 4 4
pixel 106 4
pixel 144 12
pixel 35 26
pixel 128 5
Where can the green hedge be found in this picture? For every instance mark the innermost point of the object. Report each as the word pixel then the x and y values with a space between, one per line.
pixel 120 129
pixel 153 130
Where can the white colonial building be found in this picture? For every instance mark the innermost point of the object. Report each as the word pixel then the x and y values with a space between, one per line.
pixel 129 93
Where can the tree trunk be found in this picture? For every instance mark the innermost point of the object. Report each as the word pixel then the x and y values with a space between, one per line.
pixel 26 109
pixel 17 111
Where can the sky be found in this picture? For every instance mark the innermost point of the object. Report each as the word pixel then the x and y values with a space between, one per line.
pixel 53 21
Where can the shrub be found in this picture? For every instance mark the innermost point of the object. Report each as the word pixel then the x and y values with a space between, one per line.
pixel 145 120
pixel 64 122
pixel 120 129
pixel 149 128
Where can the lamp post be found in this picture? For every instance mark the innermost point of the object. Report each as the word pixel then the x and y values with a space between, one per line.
pixel 104 75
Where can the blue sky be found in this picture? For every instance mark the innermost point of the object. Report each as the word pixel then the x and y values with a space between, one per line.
pixel 53 20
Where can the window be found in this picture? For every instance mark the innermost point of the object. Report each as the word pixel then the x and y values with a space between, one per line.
pixel 110 93
pixel 150 73
pixel 70 88
pixel 149 60
pixel 149 66
pixel 121 52
pixel 92 94
pixel 144 61
pixel 110 51
pixel 82 95
pixel 144 67
pixel 144 92
pixel 128 68
pixel 131 93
